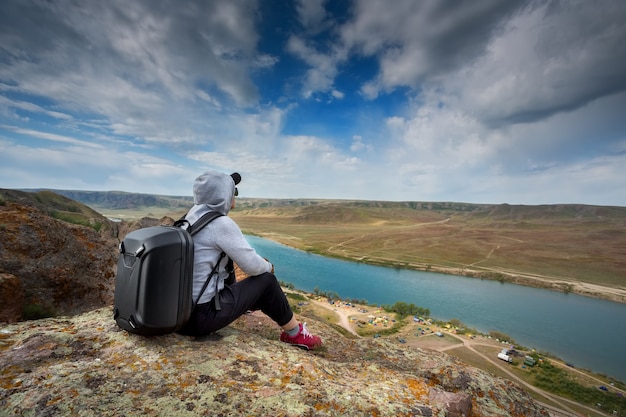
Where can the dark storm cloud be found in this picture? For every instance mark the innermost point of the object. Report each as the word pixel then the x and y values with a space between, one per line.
pixel 509 61
pixel 433 37
pixel 580 57
pixel 456 33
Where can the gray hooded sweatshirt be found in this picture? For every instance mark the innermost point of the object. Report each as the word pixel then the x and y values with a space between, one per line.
pixel 214 191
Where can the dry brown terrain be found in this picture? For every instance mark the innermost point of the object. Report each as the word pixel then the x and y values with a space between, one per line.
pixel 570 248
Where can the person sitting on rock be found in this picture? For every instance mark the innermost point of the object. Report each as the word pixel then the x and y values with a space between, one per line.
pixel 224 299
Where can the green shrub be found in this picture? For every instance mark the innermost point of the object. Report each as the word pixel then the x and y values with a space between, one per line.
pixel 296 296
pixel 404 309
pixel 75 218
pixel 461 328
pixel 556 380
pixel 502 337
pixel 36 312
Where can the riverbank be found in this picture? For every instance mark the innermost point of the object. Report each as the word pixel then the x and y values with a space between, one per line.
pixel 586 289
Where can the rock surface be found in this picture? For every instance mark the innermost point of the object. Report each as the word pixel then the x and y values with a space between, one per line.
pixel 85 365
pixel 12 296
pixel 61 268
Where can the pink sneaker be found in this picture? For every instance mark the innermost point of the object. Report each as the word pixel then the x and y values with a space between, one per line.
pixel 304 339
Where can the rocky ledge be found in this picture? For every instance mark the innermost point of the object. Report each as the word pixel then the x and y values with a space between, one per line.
pixel 85 365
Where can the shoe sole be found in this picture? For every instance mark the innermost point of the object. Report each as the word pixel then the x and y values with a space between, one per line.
pixel 300 345
pixel 303 347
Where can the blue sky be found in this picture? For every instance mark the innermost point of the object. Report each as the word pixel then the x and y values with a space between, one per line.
pixel 489 101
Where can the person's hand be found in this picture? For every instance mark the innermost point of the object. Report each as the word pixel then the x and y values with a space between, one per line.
pixel 272 271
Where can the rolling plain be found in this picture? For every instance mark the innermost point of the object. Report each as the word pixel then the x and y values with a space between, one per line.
pixel 570 248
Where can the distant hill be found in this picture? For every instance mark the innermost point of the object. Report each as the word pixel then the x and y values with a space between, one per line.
pixel 331 211
pixel 253 203
pixel 316 210
pixel 120 200
pixel 47 200
pixel 58 206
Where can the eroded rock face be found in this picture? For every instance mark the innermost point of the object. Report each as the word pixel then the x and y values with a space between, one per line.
pixel 61 268
pixel 125 227
pixel 12 296
pixel 85 365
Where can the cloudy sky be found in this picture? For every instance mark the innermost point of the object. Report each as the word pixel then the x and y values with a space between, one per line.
pixel 488 101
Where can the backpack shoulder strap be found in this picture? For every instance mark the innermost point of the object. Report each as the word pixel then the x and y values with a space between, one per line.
pixel 203 221
pixel 193 229
pixel 199 224
pixel 206 284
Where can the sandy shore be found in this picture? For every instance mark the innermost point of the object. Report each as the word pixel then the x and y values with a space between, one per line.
pixel 546 282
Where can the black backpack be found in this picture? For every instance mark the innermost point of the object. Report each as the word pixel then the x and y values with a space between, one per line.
pixel 154 280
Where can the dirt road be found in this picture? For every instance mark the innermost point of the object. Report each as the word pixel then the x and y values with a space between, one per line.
pixel 564 406
pixel 344 316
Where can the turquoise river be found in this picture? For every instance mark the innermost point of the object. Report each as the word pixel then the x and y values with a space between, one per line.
pixel 587 332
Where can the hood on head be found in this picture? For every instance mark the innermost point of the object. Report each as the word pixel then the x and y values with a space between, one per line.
pixel 216 190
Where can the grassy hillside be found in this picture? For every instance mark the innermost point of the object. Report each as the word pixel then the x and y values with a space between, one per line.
pixel 130 206
pixel 564 242
pixel 56 206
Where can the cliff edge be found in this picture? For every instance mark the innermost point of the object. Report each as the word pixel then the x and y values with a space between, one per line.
pixel 85 365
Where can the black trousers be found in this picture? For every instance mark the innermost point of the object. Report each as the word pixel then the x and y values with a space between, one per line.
pixel 260 292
